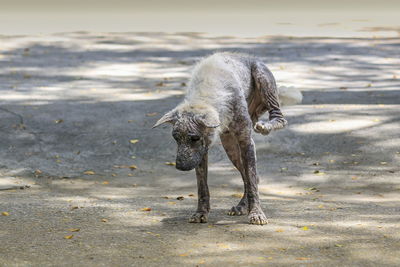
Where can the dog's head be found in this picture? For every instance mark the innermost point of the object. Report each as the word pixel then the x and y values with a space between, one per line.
pixel 194 128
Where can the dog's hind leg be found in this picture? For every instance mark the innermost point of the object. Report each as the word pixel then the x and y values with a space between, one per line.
pixel 231 146
pixel 264 97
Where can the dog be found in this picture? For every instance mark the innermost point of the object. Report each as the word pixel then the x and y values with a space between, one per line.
pixel 226 95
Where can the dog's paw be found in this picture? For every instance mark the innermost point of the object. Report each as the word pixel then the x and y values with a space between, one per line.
pixel 198 218
pixel 237 210
pixel 263 127
pixel 257 217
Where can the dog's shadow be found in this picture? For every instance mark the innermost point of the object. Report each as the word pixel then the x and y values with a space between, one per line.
pixel 217 217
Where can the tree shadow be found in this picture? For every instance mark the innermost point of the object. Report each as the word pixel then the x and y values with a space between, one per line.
pixel 74 102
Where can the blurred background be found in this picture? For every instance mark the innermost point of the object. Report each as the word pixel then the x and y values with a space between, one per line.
pixel 356 18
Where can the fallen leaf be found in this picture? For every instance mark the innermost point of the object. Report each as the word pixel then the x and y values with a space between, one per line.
pixel 302 258
pixel 304 228
pixel 38 172
pixel 183 255
pixel 338 245
pixel 321 206
pixel 317 172
pixel 152 114
pixel 279 230
pixel 89 172
pixel 180 198
pixel 68 236
pixel 222 245
pixel 106 182
pixel 59 121
pixel 191 195
pixel 237 195
pixel 383 163
pixel 113 174
pixel 104 220
pixel 74 207
pixel 130 121
pixel 5 213
pixel 145 209
pixel 311 189
pixel 170 163
pixel 343 88
pixel 133 167
pixel 133 141
pixel 74 230
pixel 171 202
pixel 354 178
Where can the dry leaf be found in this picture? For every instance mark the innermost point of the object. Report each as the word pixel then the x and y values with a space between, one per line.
pixel 104 220
pixel 237 195
pixel 279 230
pixel 68 236
pixel 133 167
pixel 191 195
pixel 180 198
pixel 171 203
pixel 74 230
pixel 304 228
pixel 321 206
pixel 183 255
pixel 170 163
pixel 222 245
pixel 59 121
pixel 152 114
pixel 113 174
pixel 38 172
pixel 302 258
pixel 134 141
pixel 89 172
pixel 5 213
pixel 383 163
pixel 105 182
pixel 74 207
pixel 145 209
pixel 338 245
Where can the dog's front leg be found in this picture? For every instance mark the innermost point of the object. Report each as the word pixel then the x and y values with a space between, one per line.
pixel 203 205
pixel 248 153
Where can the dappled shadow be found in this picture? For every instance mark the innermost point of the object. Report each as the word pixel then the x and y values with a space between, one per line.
pixel 72 102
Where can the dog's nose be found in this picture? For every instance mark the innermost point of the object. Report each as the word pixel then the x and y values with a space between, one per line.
pixel 182 166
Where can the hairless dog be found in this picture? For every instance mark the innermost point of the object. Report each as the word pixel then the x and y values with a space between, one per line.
pixel 226 96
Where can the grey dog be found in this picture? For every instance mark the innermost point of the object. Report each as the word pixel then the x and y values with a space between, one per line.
pixel 226 96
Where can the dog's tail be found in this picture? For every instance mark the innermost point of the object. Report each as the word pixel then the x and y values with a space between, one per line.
pixel 289 95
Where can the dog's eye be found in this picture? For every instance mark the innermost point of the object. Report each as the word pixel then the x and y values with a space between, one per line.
pixel 194 138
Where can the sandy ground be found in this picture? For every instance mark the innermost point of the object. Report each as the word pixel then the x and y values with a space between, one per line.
pixel 71 103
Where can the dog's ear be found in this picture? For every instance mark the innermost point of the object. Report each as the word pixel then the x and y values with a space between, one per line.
pixel 209 120
pixel 169 117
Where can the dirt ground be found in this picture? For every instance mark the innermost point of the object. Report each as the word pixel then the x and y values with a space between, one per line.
pixel 80 166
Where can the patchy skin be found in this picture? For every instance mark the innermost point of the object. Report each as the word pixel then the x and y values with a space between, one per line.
pixel 193 134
